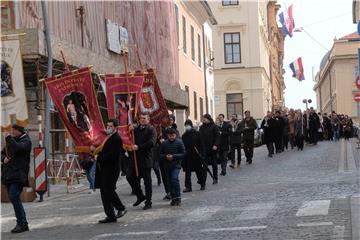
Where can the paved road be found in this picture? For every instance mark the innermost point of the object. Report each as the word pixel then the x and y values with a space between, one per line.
pixel 294 195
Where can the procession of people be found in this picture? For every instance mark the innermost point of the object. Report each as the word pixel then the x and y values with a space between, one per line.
pixel 213 143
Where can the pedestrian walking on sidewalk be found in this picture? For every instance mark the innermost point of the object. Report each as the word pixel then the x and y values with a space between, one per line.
pixel 300 126
pixel 210 140
pixel 15 159
pixel 172 151
pixel 192 161
pixel 291 120
pixel 278 131
pixel 224 130
pixel 107 173
pixel 145 138
pixel 248 126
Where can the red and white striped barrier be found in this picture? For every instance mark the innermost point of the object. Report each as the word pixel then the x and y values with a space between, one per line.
pixel 40 131
pixel 40 170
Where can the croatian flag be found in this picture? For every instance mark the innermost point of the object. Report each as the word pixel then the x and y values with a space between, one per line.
pixel 287 21
pixel 297 69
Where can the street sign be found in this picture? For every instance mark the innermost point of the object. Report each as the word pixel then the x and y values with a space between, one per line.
pixel 357 97
pixel 357 81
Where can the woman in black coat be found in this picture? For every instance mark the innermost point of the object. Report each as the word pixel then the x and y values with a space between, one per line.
pixel 192 161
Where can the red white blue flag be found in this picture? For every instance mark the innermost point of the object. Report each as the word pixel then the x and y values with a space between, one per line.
pixel 297 69
pixel 287 21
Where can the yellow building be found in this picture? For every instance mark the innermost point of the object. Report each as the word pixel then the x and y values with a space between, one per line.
pixel 241 52
pixel 276 38
pixel 335 82
pixel 191 17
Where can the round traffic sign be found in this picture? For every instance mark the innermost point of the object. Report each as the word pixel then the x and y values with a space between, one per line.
pixel 357 81
pixel 357 97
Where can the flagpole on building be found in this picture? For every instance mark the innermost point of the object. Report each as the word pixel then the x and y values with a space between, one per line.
pixel 47 30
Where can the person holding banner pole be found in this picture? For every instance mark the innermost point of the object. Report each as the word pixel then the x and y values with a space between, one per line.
pixel 145 138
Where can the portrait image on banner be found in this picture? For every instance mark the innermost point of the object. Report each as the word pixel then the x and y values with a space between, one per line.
pixel 123 97
pixel 152 101
pixel 12 95
pixel 74 97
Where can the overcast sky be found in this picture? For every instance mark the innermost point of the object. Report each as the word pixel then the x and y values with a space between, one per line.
pixel 323 20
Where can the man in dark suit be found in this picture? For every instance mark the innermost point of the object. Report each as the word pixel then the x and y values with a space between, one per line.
pixel 145 139
pixel 107 173
pixel 224 129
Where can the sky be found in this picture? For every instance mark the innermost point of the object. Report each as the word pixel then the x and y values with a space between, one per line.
pixel 324 20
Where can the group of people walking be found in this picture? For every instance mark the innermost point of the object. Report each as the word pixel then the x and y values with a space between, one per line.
pixel 297 127
pixel 213 143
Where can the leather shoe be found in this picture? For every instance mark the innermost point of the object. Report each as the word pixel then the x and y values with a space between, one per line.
pixel 167 197
pixel 20 228
pixel 108 220
pixel 202 188
pixel 215 181
pixel 121 213
pixel 140 200
pixel 187 190
pixel 147 206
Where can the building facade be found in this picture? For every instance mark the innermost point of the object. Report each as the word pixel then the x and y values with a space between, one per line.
pixel 276 40
pixel 78 29
pixel 191 17
pixel 335 82
pixel 356 11
pixel 241 58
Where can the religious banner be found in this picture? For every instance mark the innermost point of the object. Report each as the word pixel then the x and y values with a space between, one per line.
pixel 13 97
pixel 152 101
pixel 74 97
pixel 123 97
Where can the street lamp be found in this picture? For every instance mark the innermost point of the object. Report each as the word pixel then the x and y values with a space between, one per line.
pixel 306 101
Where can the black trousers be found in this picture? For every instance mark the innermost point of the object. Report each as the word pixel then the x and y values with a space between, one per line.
pixel 270 147
pixel 156 169
pixel 299 141
pixel 249 149
pixel 211 160
pixel 278 143
pixel 200 174
pixel 110 200
pixel 237 148
pixel 144 173
pixel 223 157
pixel 285 142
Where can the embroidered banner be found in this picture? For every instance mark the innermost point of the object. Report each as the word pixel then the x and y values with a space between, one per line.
pixel 152 101
pixel 123 97
pixel 75 99
pixel 13 97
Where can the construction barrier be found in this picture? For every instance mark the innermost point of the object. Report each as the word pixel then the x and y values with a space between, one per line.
pixel 40 171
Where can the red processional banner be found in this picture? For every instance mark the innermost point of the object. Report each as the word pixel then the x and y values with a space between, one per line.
pixel 75 99
pixel 123 97
pixel 152 101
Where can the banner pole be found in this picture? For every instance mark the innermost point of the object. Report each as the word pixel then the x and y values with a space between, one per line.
pixel 132 130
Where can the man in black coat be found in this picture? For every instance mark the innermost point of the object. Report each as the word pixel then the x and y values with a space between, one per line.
pixel 107 173
pixel 192 161
pixel 278 131
pixel 145 139
pixel 248 126
pixel 210 140
pixel 15 169
pixel 268 125
pixel 314 125
pixel 235 141
pixel 224 129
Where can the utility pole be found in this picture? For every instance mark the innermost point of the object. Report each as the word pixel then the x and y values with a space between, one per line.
pixel 47 31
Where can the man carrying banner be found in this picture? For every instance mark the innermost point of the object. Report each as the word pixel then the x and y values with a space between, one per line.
pixel 107 173
pixel 145 138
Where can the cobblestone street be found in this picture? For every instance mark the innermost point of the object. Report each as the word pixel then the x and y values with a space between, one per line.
pixel 311 194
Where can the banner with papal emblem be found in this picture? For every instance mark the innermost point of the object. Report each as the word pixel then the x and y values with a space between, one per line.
pixel 152 101
pixel 13 97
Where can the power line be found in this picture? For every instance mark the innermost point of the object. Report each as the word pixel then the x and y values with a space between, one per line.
pixel 327 19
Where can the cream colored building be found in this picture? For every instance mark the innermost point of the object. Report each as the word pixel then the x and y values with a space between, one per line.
pixel 241 52
pixel 191 17
pixel 356 11
pixel 335 82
